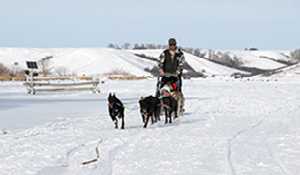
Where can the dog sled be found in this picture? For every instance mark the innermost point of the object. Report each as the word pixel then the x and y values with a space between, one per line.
pixel 172 89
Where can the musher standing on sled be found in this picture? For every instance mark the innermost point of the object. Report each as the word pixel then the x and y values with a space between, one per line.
pixel 171 66
pixel 170 71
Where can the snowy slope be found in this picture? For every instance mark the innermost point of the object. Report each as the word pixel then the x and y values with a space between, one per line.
pixel 254 59
pixel 100 61
pixel 198 64
pixel 291 71
pixel 274 54
pixel 79 61
pixel 230 127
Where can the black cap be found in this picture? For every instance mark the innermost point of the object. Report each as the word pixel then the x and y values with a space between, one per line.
pixel 172 41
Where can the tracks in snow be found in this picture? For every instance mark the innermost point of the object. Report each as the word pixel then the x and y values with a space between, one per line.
pixel 233 138
pixel 243 131
pixel 276 160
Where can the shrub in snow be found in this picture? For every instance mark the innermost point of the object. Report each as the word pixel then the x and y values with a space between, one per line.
pixel 118 72
pixel 228 60
pixel 296 54
pixel 11 73
pixel 4 71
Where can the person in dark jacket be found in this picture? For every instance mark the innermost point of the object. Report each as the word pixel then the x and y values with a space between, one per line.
pixel 171 65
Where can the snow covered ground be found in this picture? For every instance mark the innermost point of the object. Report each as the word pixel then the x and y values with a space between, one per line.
pixel 229 127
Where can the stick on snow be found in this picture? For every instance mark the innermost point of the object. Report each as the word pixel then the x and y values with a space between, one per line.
pixel 97 153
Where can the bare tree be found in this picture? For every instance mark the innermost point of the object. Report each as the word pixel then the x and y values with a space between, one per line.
pixel 197 52
pixel 126 46
pixel 189 50
pixel 159 46
pixel 232 61
pixel 4 71
pixel 139 46
pixel 111 45
pixel 296 55
pixel 45 65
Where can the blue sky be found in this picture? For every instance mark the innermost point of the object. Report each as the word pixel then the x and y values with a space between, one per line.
pixel 226 24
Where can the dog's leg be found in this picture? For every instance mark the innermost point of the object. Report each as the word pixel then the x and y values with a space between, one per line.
pixel 157 113
pixel 176 104
pixel 176 114
pixel 114 120
pixel 144 118
pixel 146 122
pixel 123 120
pixel 170 116
pixel 157 116
pixel 182 104
pixel 116 123
pixel 123 123
pixel 152 118
pixel 166 115
pixel 177 108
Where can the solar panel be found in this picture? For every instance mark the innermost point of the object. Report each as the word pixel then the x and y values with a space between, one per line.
pixel 31 64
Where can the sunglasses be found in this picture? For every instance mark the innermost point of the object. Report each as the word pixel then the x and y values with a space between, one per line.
pixel 172 44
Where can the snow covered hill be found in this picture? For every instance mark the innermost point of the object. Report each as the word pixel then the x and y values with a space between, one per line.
pixel 198 64
pixel 289 72
pixel 259 59
pixel 88 61
pixel 100 61
pixel 280 55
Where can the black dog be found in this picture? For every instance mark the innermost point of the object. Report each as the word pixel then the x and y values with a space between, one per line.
pixel 170 106
pixel 116 110
pixel 150 108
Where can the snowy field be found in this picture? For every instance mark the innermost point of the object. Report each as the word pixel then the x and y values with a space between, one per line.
pixel 229 127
